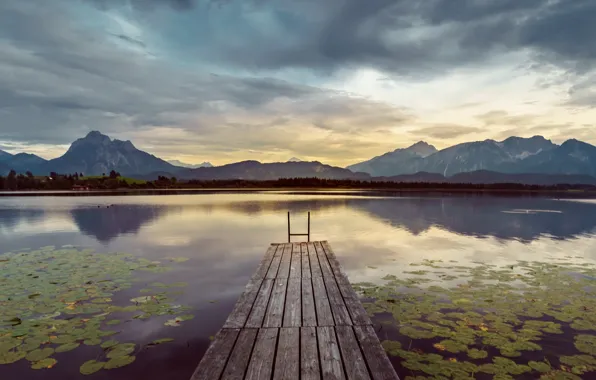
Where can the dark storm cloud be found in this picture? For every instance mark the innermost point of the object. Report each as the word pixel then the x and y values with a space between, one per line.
pixel 399 36
pixel 145 4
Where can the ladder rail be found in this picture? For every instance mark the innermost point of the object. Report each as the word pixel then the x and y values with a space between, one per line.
pixel 290 234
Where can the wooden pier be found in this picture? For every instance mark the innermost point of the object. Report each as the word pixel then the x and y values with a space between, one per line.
pixel 298 318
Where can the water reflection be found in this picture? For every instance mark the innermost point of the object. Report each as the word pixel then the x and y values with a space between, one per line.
pixel 504 218
pixel 109 222
pixel 225 236
pixel 107 218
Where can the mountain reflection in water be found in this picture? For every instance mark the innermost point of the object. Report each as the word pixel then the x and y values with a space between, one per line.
pixel 225 235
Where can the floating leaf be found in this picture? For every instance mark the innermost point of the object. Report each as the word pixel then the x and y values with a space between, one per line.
pixel 90 367
pixel 119 350
pixel 10 357
pixel 143 299
pixel 67 347
pixel 118 362
pixel 39 354
pixel 160 341
pixel 178 259
pixel 44 364
pixel 92 342
pixel 109 343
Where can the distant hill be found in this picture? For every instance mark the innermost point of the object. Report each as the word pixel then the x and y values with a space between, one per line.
pixel 20 162
pixel 254 170
pixel 4 155
pixel 294 159
pixel 490 177
pixel 190 166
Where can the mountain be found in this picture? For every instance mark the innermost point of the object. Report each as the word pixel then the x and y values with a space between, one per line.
pixel 254 170
pixel 490 177
pixel 471 156
pixel 4 155
pixel 400 161
pixel 294 159
pixel 20 162
pixel 97 153
pixel 572 157
pixel 190 166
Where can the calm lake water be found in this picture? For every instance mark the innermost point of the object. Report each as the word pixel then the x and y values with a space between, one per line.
pixel 225 236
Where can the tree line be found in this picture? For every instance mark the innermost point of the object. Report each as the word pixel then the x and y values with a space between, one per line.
pixel 114 180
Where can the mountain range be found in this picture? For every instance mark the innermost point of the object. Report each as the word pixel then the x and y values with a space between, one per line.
pixel 534 160
pixel 190 166
pixel 514 155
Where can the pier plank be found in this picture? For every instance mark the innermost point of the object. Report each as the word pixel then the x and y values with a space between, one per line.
pixel 298 318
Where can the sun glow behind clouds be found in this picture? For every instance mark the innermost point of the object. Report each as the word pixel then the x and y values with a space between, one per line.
pixel 332 81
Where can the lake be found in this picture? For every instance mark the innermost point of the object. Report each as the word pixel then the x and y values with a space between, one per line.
pixel 212 243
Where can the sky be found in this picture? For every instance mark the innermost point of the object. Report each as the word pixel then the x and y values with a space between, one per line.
pixel 337 81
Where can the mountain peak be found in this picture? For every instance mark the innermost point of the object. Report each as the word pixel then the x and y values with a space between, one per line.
pixel 294 159
pixel 96 135
pixel 422 149
pixel 181 164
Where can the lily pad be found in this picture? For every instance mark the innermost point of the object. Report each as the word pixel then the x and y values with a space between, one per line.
pixel 67 347
pixel 90 367
pixel 118 362
pixel 108 344
pixel 161 341
pixel 122 349
pixel 11 356
pixel 44 364
pixel 39 354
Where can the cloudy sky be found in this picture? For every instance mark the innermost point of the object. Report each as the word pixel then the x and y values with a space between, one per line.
pixel 337 81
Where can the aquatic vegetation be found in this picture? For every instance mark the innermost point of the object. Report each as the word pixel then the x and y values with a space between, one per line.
pixel 463 320
pixel 53 301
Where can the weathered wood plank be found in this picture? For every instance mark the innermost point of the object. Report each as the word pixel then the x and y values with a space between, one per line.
pixel 302 287
pixel 259 309
pixel 261 361
pixel 325 267
pixel 275 309
pixel 322 307
pixel 315 267
pixel 287 362
pixel 338 307
pixel 309 354
pixel 296 261
pixel 274 267
pixel 378 363
pixel 331 362
pixel 286 259
pixel 352 356
pixel 243 306
pixel 355 308
pixel 265 263
pixel 238 361
pixel 305 272
pixel 214 360
pixel 333 262
pixel 293 309
pixel 309 315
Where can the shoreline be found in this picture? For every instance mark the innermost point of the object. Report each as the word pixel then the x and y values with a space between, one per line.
pixel 571 194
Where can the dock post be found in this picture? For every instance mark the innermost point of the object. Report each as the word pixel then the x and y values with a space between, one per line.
pixel 289 235
pixel 308 238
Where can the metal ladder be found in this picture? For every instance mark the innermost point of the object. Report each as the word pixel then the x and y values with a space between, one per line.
pixel 290 234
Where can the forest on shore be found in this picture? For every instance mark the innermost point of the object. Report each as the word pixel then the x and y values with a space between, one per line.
pixel 114 181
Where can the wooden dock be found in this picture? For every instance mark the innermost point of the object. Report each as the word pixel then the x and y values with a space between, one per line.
pixel 298 318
